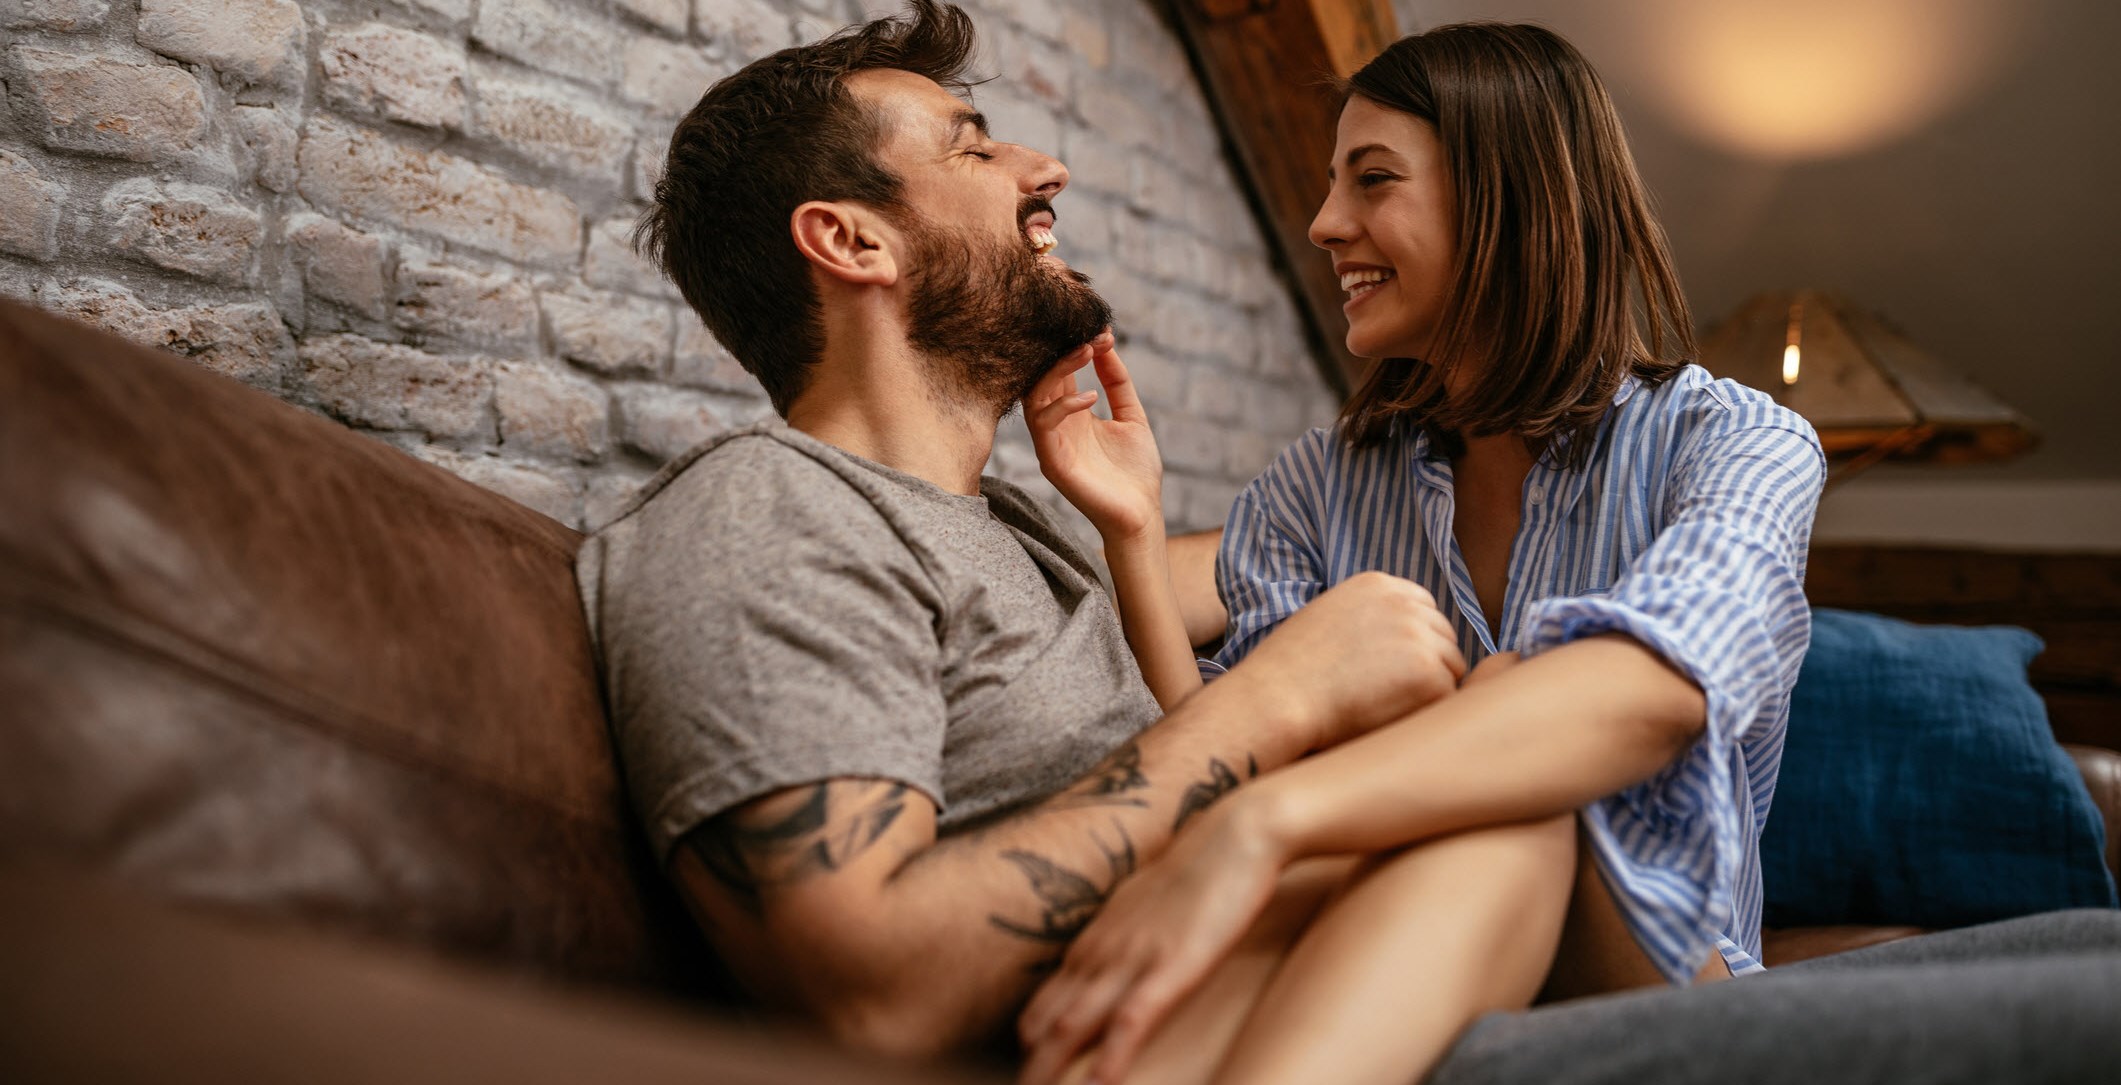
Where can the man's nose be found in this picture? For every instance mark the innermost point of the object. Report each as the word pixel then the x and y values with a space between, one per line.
pixel 1043 174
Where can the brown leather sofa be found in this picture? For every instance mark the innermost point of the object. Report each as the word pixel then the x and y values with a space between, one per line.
pixel 252 661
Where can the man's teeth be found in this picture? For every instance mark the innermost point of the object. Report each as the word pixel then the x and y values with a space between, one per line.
pixel 1359 282
pixel 1041 238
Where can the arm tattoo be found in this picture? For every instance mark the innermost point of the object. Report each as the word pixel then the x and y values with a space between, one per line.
pixel 1222 780
pixel 1111 783
pixel 835 823
pixel 1067 899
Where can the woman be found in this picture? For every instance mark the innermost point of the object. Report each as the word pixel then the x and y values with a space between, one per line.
pixel 1534 450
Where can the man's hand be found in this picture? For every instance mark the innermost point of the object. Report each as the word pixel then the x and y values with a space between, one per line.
pixel 1370 650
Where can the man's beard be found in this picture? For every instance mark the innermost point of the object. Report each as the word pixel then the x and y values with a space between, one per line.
pixel 992 317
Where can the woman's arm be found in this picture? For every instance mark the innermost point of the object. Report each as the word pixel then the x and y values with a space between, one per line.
pixel 1111 471
pixel 1547 736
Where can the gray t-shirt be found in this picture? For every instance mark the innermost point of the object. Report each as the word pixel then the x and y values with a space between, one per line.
pixel 773 611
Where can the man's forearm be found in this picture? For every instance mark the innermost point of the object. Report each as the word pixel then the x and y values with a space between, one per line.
pixel 971 922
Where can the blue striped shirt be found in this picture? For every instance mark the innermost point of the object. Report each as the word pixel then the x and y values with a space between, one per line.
pixel 1686 528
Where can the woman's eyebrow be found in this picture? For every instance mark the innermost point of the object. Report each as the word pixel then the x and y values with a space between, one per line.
pixel 1356 155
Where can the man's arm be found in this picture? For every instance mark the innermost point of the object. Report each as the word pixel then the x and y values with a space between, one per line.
pixel 838 901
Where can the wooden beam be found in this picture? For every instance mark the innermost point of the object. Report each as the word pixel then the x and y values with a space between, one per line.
pixel 1265 65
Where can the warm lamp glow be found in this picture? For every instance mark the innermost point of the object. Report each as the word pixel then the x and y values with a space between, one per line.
pixel 1805 79
pixel 1790 361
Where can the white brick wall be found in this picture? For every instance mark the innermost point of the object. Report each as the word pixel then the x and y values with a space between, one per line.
pixel 414 216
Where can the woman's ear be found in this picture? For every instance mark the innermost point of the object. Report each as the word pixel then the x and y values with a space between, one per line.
pixel 846 241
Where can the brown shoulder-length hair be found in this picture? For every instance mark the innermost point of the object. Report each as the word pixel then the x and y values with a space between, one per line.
pixel 1563 284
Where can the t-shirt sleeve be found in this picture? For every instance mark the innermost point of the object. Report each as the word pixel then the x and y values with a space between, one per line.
pixel 762 626
pixel 1268 566
pixel 1719 595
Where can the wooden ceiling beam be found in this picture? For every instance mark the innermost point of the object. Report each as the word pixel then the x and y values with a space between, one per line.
pixel 1266 66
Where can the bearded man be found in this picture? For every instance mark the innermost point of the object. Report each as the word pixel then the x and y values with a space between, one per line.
pixel 876 712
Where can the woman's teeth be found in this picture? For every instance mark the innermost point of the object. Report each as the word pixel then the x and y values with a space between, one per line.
pixel 1358 283
pixel 1041 238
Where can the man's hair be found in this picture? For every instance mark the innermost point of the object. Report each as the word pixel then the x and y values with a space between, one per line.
pixel 782 131
pixel 1563 284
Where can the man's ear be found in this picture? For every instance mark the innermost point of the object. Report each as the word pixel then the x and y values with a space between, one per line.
pixel 846 241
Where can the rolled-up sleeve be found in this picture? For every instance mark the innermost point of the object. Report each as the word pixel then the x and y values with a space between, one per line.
pixel 1719 594
pixel 1268 566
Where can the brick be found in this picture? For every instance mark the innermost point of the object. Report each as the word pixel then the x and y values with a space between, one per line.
pixel 1084 34
pixel 609 262
pixel 1158 189
pixel 182 227
pixel 703 362
pixel 1037 69
pixel 609 333
pixel 1178 257
pixel 30 225
pixel 386 386
pixel 396 74
pixel 544 34
pixel 65 16
pixel 541 489
pixel 668 77
pixel 1013 118
pixel 106 106
pixel 1276 407
pixel 553 127
pixel 1207 504
pixel 545 412
pixel 1249 453
pixel 257 41
pixel 669 15
pixel 472 307
pixel 246 341
pixel 269 140
pixel 743 30
pixel 1211 394
pixel 661 423
pixel 338 264
pixel 648 156
pixel 1143 46
pixel 1041 17
pixel 1159 381
pixel 1121 115
pixel 1190 443
pixel 1094 162
pixel 455 11
pixel 361 173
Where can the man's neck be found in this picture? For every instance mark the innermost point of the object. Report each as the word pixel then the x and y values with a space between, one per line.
pixel 880 405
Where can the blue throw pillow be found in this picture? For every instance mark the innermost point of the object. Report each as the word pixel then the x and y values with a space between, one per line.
pixel 1921 784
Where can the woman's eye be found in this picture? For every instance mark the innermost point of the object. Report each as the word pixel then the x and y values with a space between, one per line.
pixel 1371 180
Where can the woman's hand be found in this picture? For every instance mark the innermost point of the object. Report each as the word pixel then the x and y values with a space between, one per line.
pixel 1108 468
pixel 1156 939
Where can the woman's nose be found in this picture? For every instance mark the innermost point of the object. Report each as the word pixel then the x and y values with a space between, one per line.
pixel 1330 227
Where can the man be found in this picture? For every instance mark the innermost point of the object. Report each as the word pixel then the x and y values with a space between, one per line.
pixel 876 711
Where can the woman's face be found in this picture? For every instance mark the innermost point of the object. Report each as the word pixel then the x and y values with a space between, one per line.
pixel 1390 223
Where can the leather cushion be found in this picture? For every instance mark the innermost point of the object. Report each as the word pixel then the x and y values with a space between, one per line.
pixel 252 657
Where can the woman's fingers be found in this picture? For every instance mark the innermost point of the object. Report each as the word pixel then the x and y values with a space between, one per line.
pixel 1056 412
pixel 1058 382
pixel 1133 1021
pixel 1073 1027
pixel 1119 387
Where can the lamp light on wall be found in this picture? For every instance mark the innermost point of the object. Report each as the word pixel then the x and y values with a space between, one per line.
pixel 1872 394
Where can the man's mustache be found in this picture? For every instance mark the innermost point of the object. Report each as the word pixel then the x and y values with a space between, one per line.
pixel 1032 205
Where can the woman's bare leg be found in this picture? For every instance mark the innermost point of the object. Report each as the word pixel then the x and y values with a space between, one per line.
pixel 1186 1049
pixel 1420 944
